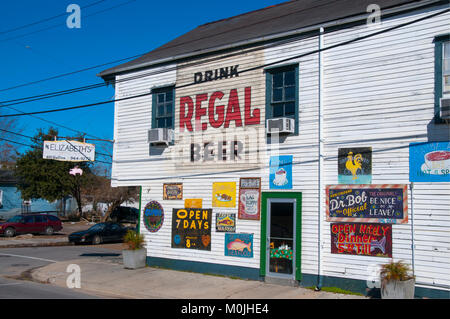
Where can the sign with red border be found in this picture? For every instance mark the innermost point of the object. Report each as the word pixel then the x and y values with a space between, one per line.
pixel 384 203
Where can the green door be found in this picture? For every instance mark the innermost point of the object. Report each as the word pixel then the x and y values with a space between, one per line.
pixel 281 234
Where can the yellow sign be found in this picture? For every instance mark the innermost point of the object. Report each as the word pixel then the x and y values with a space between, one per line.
pixel 224 194
pixel 193 203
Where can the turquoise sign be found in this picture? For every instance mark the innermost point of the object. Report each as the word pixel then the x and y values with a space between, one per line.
pixel 280 172
pixel 429 162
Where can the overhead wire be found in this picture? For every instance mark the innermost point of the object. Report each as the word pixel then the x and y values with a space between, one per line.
pixel 242 71
pixel 32 138
pixel 47 19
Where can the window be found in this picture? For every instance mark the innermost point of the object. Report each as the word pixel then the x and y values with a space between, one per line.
pixel 40 219
pixel 442 73
pixel 446 68
pixel 163 108
pixel 28 219
pixel 53 218
pixel 282 93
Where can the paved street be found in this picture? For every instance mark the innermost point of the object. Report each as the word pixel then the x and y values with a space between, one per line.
pixel 21 289
pixel 16 263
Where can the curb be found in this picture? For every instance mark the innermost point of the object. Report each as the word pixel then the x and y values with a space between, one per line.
pixel 24 245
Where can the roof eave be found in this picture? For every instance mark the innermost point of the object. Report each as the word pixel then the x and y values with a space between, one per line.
pixel 411 6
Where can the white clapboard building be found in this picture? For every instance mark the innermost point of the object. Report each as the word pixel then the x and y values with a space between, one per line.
pixel 306 142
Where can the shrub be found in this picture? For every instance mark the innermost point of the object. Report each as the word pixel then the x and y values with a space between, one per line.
pixel 395 271
pixel 134 240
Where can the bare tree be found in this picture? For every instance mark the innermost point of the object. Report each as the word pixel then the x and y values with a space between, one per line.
pixel 100 191
pixel 8 149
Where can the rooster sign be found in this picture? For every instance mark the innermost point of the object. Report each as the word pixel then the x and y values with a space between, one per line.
pixel 355 165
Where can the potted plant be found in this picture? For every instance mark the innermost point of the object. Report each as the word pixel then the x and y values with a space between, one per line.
pixel 396 281
pixel 135 255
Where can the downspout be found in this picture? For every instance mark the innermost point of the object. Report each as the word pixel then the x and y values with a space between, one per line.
pixel 320 168
pixel 138 228
pixel 411 187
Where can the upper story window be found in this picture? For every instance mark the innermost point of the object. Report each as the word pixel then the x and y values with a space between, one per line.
pixel 442 75
pixel 163 105
pixel 282 93
pixel 446 68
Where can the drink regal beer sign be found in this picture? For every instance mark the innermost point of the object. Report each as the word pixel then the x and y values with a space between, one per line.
pixel 367 203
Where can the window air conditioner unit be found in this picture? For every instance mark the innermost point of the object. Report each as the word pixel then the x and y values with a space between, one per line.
pixel 281 125
pixel 160 136
pixel 445 108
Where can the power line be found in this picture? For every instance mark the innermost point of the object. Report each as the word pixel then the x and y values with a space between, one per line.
pixel 246 70
pixel 69 73
pixel 58 25
pixel 78 106
pixel 32 138
pixel 36 147
pixel 134 77
pixel 46 19
pixel 51 122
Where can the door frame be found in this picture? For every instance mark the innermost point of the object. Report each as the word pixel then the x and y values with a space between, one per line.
pixel 297 231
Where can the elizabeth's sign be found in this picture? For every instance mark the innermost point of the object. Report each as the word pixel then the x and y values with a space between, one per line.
pixel 71 151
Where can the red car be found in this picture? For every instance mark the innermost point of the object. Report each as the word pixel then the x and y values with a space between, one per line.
pixel 31 223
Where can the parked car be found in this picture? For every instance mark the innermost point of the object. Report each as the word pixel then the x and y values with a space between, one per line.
pixel 31 223
pixel 124 214
pixel 100 233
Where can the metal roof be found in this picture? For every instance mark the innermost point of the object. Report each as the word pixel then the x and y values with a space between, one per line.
pixel 255 25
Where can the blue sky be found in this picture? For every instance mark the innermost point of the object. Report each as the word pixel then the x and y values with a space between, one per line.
pixel 110 30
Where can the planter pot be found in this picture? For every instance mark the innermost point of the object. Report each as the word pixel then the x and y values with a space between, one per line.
pixel 134 259
pixel 398 289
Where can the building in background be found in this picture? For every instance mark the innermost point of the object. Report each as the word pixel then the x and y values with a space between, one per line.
pixel 306 142
pixel 11 202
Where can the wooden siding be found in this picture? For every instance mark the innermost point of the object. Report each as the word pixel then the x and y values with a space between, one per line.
pixel 378 93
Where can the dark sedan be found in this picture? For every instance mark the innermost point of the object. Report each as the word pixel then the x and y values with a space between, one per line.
pixel 100 233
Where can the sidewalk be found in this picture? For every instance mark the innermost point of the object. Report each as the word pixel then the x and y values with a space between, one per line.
pixel 108 278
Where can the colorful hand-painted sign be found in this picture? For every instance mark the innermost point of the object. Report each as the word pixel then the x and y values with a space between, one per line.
pixel 249 198
pixel 193 203
pixel 224 194
pixel 239 245
pixel 280 172
pixel 173 191
pixel 429 162
pixel 191 228
pixel 225 222
pixel 355 165
pixel 361 239
pixel 367 203
pixel 153 216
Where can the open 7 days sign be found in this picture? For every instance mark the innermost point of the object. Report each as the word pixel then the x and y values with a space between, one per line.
pixel 71 151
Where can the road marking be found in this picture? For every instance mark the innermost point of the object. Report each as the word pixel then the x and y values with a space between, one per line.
pixel 29 257
pixel 12 284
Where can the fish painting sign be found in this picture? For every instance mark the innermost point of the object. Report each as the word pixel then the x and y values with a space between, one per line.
pixel 191 228
pixel 239 245
pixel 367 203
pixel 225 222
pixel 224 194
pixel 361 239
